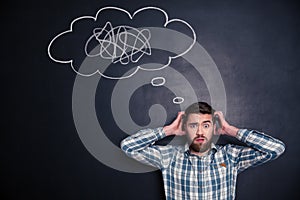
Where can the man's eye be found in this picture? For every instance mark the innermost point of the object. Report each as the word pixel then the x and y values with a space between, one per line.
pixel 206 125
pixel 193 126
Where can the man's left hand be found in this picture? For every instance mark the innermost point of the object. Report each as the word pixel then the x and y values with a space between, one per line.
pixel 224 127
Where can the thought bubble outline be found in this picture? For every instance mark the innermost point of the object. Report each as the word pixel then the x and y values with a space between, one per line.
pixel 131 16
pixel 178 100
pixel 158 84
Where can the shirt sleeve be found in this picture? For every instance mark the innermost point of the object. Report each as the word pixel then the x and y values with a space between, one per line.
pixel 140 147
pixel 260 149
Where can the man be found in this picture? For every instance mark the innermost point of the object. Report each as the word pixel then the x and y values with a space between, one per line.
pixel 201 169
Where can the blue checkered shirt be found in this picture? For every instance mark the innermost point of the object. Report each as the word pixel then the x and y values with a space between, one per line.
pixel 213 176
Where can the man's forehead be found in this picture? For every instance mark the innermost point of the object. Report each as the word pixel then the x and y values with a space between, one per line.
pixel 198 117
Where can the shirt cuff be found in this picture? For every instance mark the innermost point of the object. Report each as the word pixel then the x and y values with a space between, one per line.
pixel 160 134
pixel 242 134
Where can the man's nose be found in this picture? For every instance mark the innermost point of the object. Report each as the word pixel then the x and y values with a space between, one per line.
pixel 199 132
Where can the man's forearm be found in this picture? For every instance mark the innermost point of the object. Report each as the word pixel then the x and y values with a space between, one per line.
pixel 262 142
pixel 140 147
pixel 168 130
pixel 141 139
pixel 231 130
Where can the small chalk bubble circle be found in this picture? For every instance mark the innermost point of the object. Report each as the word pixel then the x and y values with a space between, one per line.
pixel 178 100
pixel 158 81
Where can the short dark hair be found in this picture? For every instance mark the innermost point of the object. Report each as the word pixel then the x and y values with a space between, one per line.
pixel 197 108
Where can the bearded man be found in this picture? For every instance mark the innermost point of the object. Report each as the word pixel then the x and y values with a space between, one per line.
pixel 201 169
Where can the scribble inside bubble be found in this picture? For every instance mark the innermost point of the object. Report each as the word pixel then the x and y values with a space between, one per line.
pixel 121 44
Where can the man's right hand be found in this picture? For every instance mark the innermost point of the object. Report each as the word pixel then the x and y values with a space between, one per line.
pixel 175 128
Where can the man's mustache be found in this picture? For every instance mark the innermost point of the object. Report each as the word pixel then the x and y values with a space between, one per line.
pixel 200 137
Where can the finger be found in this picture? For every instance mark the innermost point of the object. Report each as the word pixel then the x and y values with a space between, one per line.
pixel 180 113
pixel 220 115
pixel 179 117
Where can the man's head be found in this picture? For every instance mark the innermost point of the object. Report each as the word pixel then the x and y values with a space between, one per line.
pixel 198 124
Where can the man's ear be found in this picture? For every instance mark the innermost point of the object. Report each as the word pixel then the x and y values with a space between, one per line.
pixel 214 128
pixel 183 120
pixel 216 122
pixel 183 127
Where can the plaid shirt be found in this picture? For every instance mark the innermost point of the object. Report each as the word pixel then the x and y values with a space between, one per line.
pixel 213 176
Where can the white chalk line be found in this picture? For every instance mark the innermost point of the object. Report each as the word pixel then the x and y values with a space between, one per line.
pixel 131 17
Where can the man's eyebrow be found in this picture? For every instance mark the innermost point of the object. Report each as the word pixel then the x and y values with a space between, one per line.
pixel 193 123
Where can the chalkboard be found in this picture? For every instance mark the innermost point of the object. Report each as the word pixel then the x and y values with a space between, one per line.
pixel 49 143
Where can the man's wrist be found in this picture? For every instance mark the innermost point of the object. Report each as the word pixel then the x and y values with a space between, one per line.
pixel 168 130
pixel 232 131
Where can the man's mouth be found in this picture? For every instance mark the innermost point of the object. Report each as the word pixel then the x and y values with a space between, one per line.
pixel 200 139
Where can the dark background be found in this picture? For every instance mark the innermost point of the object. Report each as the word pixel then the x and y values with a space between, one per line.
pixel 255 45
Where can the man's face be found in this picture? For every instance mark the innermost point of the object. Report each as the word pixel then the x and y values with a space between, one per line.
pixel 199 131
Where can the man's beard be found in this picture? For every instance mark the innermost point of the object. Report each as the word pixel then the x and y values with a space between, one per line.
pixel 200 147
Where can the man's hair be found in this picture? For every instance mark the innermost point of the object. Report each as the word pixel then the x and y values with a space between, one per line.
pixel 197 108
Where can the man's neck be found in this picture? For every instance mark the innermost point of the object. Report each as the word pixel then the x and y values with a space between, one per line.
pixel 200 153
